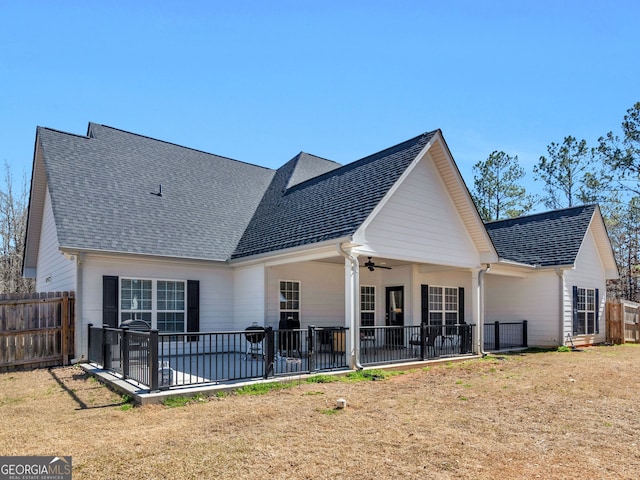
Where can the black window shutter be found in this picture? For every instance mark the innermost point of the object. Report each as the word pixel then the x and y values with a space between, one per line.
pixel 597 310
pixel 110 301
pixel 575 310
pixel 424 299
pixel 193 308
pixel 460 305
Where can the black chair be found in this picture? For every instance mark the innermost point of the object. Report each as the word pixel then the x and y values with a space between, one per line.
pixel 289 337
pixel 429 343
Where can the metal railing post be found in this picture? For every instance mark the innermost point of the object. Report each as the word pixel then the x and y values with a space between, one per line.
pixel 124 351
pixel 496 339
pixel 106 348
pixel 154 366
pixel 269 352
pixel 423 340
pixel 89 340
pixel 311 337
pixel 525 334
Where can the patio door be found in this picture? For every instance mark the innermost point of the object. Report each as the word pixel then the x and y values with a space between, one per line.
pixel 394 316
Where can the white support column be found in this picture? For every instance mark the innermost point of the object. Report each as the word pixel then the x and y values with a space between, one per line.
pixel 352 310
pixel 351 305
pixel 476 311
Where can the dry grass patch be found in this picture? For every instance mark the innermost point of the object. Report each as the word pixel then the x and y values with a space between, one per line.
pixel 548 415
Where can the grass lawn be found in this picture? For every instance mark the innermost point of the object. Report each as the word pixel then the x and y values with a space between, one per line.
pixel 547 415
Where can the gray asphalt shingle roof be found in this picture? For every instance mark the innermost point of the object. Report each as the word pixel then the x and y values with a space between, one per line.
pixel 546 239
pixel 330 206
pixel 100 188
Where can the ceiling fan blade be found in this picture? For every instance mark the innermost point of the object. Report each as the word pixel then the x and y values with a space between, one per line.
pixel 371 265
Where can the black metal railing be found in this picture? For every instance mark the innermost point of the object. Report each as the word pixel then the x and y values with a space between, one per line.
pixel 162 360
pixel 383 345
pixel 505 335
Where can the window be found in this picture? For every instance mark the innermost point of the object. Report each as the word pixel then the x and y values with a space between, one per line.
pixel 586 311
pixel 289 304
pixel 367 309
pixel 136 300
pixel 170 306
pixel 161 303
pixel 443 305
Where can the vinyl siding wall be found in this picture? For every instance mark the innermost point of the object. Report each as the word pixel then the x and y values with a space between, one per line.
pixel 589 273
pixel 321 293
pixel 420 223
pixel 51 262
pixel 534 298
pixel 216 287
pixel 249 298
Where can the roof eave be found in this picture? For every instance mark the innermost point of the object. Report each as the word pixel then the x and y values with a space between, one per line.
pixel 297 253
pixel 38 186
pixel 74 250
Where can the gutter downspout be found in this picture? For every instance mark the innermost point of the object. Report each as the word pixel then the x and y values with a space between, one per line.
pixel 354 283
pixel 79 330
pixel 480 346
pixel 560 274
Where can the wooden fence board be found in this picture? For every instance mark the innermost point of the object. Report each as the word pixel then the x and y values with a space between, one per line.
pixel 36 329
pixel 623 322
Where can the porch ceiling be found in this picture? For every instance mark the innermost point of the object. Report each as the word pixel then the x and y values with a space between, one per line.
pixel 388 262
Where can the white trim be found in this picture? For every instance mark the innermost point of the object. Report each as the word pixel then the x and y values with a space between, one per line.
pixel 444 310
pixel 299 309
pixel 586 311
pixel 375 303
pixel 154 301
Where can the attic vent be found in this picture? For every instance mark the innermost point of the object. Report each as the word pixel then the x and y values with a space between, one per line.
pixel 159 192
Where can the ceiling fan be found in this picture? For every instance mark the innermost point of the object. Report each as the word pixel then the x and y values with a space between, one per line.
pixel 371 265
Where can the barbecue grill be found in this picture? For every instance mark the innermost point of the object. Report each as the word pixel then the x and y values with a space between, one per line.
pixel 254 335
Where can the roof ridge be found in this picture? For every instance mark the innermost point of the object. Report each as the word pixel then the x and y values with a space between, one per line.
pixel 179 146
pixel 546 212
pixel 361 161
pixel 412 139
pixel 318 156
pixel 63 132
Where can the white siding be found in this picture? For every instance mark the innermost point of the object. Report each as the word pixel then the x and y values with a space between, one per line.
pixel 420 223
pixel 321 293
pixel 52 264
pixel 534 298
pixel 249 300
pixel 216 287
pixel 589 273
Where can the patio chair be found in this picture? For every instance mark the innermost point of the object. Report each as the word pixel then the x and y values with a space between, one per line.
pixel 367 338
pixel 429 343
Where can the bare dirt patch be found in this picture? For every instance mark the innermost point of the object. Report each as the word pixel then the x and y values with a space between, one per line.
pixel 543 415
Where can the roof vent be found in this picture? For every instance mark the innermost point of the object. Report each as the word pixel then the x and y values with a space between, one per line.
pixel 158 193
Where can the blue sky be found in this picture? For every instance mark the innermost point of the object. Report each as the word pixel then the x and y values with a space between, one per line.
pixel 259 81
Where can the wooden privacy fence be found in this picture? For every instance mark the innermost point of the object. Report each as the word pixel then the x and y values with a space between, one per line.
pixel 36 329
pixel 623 321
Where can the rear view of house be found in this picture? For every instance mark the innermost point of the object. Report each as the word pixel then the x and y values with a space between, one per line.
pixel 191 242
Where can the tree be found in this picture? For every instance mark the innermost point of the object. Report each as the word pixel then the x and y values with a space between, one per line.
pixel 623 226
pixel 623 154
pixel 570 175
pixel 13 227
pixel 497 193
